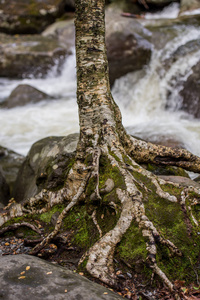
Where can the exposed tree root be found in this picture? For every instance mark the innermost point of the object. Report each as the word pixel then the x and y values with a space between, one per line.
pixel 17 225
pixel 100 255
pixel 144 152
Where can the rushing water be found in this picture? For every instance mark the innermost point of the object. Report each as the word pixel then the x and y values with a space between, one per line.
pixel 142 97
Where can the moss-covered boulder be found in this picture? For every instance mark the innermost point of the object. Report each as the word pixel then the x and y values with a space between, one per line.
pixel 46 166
pixel 24 56
pixel 28 17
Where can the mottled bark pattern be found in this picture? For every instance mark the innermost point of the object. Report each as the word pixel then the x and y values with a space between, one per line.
pixel 98 113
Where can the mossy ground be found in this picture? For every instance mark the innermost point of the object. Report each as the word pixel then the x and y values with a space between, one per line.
pixel 172 221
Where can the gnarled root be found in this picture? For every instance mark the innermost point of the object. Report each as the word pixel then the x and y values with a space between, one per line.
pixel 130 195
pixel 144 152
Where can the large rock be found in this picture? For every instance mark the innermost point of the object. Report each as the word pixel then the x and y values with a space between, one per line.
pixel 24 94
pixel 64 31
pixel 24 16
pixel 190 93
pixel 127 47
pixel 45 166
pixel 46 281
pixel 24 56
pixel 183 181
pixel 10 163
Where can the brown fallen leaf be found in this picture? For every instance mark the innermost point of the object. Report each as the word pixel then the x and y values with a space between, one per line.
pixel 21 277
pixel 48 273
pixel 28 268
pixel 105 293
pixel 81 273
pixel 22 273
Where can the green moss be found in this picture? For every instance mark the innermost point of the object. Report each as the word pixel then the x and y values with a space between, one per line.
pixel 106 218
pixel 171 221
pixel 166 170
pixel 172 190
pixel 132 246
pixel 46 217
pixel 27 232
pixel 85 232
pixel 108 171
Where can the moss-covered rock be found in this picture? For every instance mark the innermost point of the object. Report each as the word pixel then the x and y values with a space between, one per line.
pixel 46 166
pixel 26 17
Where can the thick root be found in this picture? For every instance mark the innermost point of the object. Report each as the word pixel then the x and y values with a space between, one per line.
pixel 100 255
pixel 144 152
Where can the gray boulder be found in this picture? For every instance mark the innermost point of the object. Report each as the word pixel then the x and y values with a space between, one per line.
pixel 25 17
pixel 24 94
pixel 45 166
pixel 25 56
pixel 190 93
pixel 44 280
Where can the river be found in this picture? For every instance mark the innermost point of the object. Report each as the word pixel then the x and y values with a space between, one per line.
pixel 142 100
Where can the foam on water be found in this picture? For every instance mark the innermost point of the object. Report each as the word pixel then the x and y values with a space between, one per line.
pixel 169 12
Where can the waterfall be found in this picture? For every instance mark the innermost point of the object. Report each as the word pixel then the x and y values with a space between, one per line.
pixel 149 100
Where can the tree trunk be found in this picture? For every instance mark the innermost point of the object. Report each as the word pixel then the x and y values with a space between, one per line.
pixel 105 171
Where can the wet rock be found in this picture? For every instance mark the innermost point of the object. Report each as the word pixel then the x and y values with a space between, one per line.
pixel 64 31
pixel 45 280
pixel 25 56
pixel 190 94
pixel 24 94
pixel 109 186
pixel 10 162
pixel 189 5
pixel 184 181
pixel 127 47
pixel 25 17
pixel 45 166
pixel 4 191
